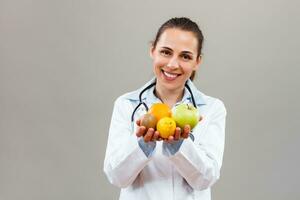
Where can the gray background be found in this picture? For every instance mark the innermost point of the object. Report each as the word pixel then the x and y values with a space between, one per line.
pixel 63 63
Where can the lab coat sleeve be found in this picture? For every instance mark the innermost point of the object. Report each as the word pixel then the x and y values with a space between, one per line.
pixel 124 159
pixel 199 162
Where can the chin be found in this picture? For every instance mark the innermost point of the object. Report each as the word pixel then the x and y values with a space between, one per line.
pixel 171 85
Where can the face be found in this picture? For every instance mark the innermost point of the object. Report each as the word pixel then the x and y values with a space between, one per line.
pixel 174 58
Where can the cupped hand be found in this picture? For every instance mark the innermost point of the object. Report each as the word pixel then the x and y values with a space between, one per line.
pixel 148 134
pixel 152 135
pixel 179 134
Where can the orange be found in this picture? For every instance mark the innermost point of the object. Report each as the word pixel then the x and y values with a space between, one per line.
pixel 160 110
pixel 166 127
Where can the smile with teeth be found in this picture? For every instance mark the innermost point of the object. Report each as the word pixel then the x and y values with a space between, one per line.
pixel 170 75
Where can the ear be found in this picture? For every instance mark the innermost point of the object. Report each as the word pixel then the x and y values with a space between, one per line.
pixel 198 62
pixel 151 51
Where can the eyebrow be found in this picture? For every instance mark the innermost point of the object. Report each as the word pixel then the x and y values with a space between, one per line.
pixel 187 52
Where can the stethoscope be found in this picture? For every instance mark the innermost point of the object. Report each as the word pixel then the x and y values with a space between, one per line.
pixel 145 105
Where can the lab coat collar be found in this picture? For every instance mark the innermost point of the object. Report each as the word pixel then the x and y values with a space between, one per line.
pixel 134 96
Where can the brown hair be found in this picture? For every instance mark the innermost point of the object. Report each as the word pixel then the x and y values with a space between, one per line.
pixel 184 24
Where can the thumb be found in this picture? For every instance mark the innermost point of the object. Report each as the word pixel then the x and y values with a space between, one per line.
pixel 138 122
pixel 200 118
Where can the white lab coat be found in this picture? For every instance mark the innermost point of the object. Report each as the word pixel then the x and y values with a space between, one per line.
pixel 188 174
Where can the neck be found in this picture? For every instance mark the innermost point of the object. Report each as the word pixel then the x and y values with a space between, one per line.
pixel 169 97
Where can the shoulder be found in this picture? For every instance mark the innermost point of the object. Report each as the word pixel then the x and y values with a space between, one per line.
pixel 206 100
pixel 213 101
pixel 126 98
pixel 214 105
pixel 124 105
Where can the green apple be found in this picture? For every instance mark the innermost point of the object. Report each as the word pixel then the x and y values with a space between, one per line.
pixel 185 114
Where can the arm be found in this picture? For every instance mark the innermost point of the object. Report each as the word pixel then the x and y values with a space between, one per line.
pixel 124 158
pixel 199 161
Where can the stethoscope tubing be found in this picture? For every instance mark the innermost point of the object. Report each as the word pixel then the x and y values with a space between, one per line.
pixel 148 87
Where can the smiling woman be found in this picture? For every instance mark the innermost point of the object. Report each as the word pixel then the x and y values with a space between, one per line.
pixel 174 60
pixel 186 165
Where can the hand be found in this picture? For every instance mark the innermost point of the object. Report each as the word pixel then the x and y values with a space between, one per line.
pixel 149 135
pixel 179 134
pixel 152 135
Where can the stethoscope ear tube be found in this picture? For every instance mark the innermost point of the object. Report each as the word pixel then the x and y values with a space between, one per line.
pixel 141 101
pixel 190 91
pixel 132 116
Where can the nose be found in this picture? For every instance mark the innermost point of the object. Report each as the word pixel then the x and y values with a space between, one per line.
pixel 173 63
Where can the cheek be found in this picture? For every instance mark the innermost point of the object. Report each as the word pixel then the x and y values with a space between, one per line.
pixel 158 63
pixel 156 67
pixel 188 69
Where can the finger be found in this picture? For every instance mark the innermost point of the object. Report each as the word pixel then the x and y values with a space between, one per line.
pixel 155 136
pixel 141 131
pixel 170 139
pixel 186 131
pixel 177 133
pixel 200 118
pixel 138 122
pixel 149 135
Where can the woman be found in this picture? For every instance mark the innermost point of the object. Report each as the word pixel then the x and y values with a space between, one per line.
pixel 185 165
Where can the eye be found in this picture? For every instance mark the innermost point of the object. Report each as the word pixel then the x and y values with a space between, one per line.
pixel 165 52
pixel 186 57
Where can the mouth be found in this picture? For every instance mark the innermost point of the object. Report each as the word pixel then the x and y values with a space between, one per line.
pixel 169 76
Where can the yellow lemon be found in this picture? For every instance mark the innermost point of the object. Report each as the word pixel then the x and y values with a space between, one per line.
pixel 166 127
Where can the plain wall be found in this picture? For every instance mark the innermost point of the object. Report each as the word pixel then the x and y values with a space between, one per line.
pixel 63 63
